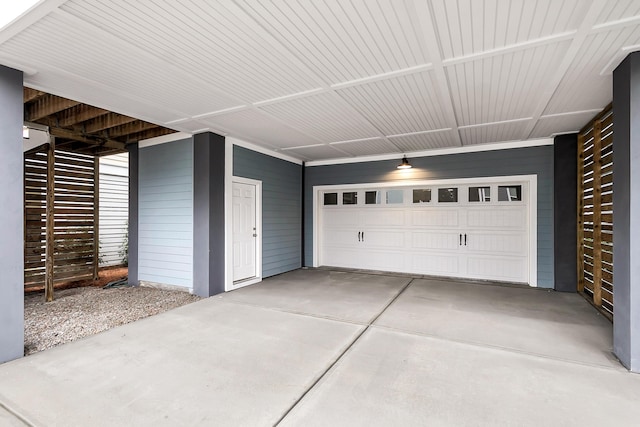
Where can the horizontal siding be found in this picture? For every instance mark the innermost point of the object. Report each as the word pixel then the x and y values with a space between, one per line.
pixel 114 207
pixel 165 213
pixel 518 161
pixel 281 208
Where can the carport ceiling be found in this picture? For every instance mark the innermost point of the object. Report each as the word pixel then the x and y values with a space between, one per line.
pixel 326 79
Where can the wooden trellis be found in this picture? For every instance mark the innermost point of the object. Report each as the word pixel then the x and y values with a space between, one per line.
pixel 595 211
pixel 61 217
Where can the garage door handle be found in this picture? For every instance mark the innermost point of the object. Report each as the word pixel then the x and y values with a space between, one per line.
pixel 465 239
pixel 460 244
pixel 363 236
pixel 359 236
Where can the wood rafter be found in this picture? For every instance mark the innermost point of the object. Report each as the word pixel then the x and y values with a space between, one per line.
pixel 83 128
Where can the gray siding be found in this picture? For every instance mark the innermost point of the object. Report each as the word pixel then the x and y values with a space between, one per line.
pixel 521 161
pixel 165 216
pixel 281 207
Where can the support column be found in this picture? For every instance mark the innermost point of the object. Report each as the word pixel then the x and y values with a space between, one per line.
pixel 565 193
pixel 626 212
pixel 208 214
pixel 11 216
pixel 133 214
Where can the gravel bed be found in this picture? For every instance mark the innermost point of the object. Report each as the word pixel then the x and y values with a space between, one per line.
pixel 79 312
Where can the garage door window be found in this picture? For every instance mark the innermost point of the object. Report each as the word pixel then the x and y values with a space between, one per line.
pixel 395 197
pixel 509 193
pixel 479 194
pixel 330 199
pixel 350 198
pixel 447 195
pixel 421 195
pixel 372 197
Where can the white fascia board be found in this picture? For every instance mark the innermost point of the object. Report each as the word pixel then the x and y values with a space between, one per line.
pixel 439 152
pixel 262 150
pixel 163 139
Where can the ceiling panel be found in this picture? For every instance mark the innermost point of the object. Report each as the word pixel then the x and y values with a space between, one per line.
pixel 425 141
pixel 466 27
pixel 134 73
pixel 399 105
pixel 367 147
pixel 344 40
pixel 583 87
pixel 503 87
pixel 326 117
pixel 259 127
pixel 513 131
pixel 217 41
pixel 619 9
pixel 561 124
pixel 318 152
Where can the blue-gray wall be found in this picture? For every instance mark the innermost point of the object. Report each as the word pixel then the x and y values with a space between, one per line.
pixel 11 216
pixel 165 213
pixel 517 161
pixel 281 207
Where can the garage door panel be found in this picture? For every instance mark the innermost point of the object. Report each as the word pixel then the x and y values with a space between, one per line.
pixel 384 218
pixel 448 240
pixel 512 218
pixel 341 218
pixel 435 263
pixel 497 243
pixel 385 261
pixel 341 238
pixel 340 257
pixel 384 239
pixel 511 269
pixel 435 217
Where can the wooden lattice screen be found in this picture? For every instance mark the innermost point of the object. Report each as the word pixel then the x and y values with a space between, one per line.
pixel 61 217
pixel 595 211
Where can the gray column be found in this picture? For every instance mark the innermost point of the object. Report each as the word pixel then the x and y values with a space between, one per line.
pixel 565 205
pixel 208 214
pixel 11 216
pixel 133 213
pixel 626 212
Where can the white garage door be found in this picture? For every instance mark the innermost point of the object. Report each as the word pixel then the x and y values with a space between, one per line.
pixel 477 230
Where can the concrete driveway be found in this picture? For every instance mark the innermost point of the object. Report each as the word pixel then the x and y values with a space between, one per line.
pixel 330 348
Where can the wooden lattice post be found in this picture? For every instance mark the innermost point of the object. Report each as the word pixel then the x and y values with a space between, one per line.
pixel 50 213
pixel 96 215
pixel 597 213
pixel 580 234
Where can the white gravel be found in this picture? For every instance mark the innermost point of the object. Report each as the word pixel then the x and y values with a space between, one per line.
pixel 79 312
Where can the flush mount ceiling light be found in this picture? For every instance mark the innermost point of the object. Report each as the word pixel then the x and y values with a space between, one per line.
pixel 404 164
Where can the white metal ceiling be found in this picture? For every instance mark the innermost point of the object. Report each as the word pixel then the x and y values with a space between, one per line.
pixel 327 79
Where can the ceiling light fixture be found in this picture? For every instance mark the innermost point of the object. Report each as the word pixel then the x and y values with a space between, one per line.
pixel 404 164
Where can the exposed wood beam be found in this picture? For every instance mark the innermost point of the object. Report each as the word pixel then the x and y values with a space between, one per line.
pixel 158 131
pixel 134 127
pixel 47 106
pixel 106 121
pixel 78 114
pixel 31 94
pixel 94 141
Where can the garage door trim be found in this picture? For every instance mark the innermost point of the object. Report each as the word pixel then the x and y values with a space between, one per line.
pixel 530 196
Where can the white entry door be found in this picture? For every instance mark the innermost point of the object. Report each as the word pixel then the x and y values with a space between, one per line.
pixel 244 231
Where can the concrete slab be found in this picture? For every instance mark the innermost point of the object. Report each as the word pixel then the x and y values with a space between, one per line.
pixel 9 420
pixel 347 296
pixel 393 378
pixel 546 323
pixel 208 363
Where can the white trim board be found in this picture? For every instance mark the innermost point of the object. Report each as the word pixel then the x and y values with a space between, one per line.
pixel 531 180
pixel 438 152
pixel 262 150
pixel 163 139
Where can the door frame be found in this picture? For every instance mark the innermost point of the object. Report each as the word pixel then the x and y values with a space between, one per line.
pixel 230 284
pixel 532 200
